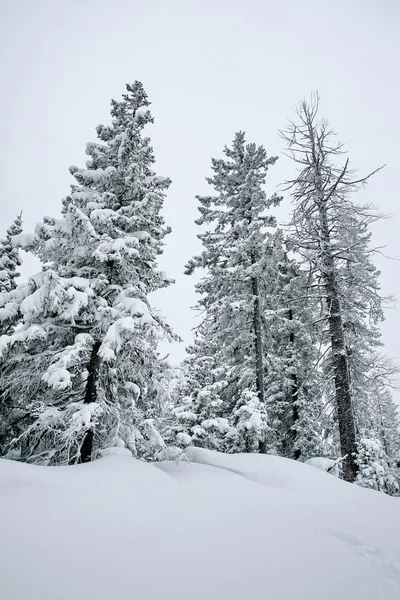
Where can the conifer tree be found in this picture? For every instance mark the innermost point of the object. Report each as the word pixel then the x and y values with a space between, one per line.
pixel 253 317
pixel 375 471
pixel 84 371
pixel 235 255
pixel 330 232
pixel 293 382
pixel 9 262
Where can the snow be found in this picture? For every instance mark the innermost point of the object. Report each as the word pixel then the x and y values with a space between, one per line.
pixel 133 388
pixel 23 240
pixel 116 249
pixel 132 306
pixel 116 451
pixel 322 463
pixel 116 333
pixel 33 305
pixel 84 416
pixel 93 175
pixel 219 423
pixel 76 301
pixel 184 438
pixel 217 527
pixel 57 375
pixel 101 216
pixel 30 333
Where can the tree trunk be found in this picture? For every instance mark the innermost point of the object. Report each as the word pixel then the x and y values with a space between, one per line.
pixel 294 390
pixel 90 396
pixel 347 431
pixel 259 350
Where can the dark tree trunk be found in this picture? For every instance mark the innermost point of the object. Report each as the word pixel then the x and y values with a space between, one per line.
pixel 90 396
pixel 258 349
pixel 347 430
pixel 294 390
pixel 319 192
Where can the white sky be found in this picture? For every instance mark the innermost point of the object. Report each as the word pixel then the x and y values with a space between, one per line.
pixel 210 68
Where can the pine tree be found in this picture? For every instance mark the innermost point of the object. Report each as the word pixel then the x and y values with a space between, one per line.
pixel 229 400
pixel 375 471
pixel 9 257
pixel 254 316
pixel 293 382
pixel 9 262
pixel 9 313
pixel 201 414
pixel 330 233
pixel 228 349
pixel 83 371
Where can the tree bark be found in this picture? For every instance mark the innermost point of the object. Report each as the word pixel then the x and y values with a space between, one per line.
pixel 258 349
pixel 90 396
pixel 347 431
pixel 294 390
pixel 319 193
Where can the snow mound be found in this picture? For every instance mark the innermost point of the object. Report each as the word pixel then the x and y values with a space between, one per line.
pixel 217 527
pixel 325 464
pixel 116 451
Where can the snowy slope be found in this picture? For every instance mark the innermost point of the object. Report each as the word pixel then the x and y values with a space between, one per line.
pixel 220 527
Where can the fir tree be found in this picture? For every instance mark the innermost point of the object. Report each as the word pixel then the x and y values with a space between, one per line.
pixel 374 469
pixel 9 262
pixel 250 374
pixel 83 370
pixel 9 257
pixel 229 350
pixel 293 381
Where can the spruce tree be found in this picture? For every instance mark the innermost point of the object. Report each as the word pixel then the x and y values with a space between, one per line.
pixel 9 262
pixel 250 374
pixel 9 314
pixel 231 401
pixel 293 379
pixel 83 371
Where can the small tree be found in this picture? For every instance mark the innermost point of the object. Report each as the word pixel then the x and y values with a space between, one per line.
pixel 9 257
pixel 375 471
pixel 9 262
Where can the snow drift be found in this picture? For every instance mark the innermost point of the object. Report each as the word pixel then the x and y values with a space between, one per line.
pixel 219 527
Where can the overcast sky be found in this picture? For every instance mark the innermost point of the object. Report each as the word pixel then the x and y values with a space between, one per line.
pixel 210 68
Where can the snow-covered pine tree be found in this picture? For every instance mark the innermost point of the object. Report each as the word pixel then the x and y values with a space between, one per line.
pixel 388 419
pixel 293 379
pixel 201 414
pixel 235 256
pixel 374 469
pixel 330 233
pixel 232 354
pixel 83 371
pixel 9 262
pixel 252 313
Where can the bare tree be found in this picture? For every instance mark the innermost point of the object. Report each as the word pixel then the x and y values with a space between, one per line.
pixel 324 227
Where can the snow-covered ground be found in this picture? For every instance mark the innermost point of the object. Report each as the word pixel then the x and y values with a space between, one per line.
pixel 219 527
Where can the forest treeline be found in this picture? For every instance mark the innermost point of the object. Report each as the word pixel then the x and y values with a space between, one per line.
pixel 286 358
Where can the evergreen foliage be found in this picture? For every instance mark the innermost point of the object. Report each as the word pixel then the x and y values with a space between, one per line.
pixel 286 358
pixel 83 370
